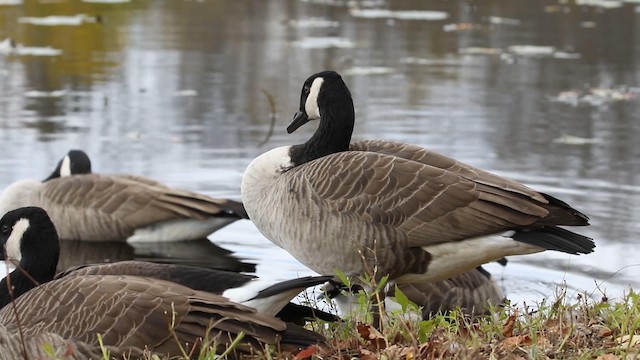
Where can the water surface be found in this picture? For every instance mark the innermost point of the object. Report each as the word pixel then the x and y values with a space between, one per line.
pixel 543 92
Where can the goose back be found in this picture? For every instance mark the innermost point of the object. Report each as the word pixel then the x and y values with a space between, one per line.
pixel 111 208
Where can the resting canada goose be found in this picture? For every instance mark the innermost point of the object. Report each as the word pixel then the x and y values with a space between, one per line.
pixel 416 215
pixel 473 292
pixel 28 237
pixel 97 207
pixel 132 312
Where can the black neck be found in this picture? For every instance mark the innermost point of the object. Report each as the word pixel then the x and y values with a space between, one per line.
pixel 333 135
pixel 55 174
pixel 35 268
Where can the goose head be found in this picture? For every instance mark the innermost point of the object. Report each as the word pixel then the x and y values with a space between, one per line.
pixel 324 97
pixel 29 239
pixel 74 163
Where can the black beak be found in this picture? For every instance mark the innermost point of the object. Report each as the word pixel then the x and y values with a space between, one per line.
pixel 299 119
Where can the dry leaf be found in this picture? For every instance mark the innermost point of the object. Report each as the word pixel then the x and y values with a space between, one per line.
pixel 628 340
pixel 601 331
pixel 514 341
pixel 507 328
pixel 367 355
pixel 306 353
pixel 372 335
pixel 607 357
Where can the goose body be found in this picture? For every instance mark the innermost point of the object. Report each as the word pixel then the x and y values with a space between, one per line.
pixel 95 207
pixel 416 215
pixel 111 291
pixel 473 293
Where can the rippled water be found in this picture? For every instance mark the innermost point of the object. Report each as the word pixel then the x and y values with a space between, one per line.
pixel 543 92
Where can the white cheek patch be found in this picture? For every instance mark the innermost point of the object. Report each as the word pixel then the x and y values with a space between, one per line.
pixel 311 105
pixel 65 167
pixel 12 247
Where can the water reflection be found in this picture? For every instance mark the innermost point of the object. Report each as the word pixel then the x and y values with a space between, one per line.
pixel 196 253
pixel 173 90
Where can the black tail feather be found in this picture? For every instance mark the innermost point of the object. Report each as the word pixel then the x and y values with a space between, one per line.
pixel 298 314
pixel 555 238
pixel 299 283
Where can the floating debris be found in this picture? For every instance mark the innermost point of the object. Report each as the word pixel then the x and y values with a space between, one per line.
pixel 400 15
pixel 58 20
pixel 504 21
pixel 10 47
pixel 185 93
pixel 605 4
pixel 326 2
pixel 369 70
pixel 313 22
pixel 479 51
pixel 462 27
pixel 596 96
pixel 452 61
pixel 323 43
pixel 106 1
pixel 45 94
pixel 576 140
pixel 509 54
pixel 566 55
pixel 531 50
pixel 588 24
pixel 556 9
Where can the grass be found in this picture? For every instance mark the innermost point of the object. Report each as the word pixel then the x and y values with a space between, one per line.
pixel 582 329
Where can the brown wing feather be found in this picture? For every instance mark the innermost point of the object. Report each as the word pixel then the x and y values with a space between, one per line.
pixel 509 192
pixel 427 203
pixel 129 311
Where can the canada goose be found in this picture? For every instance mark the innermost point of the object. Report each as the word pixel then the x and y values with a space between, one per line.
pixel 132 312
pixel 28 237
pixel 473 292
pixel 413 214
pixel 97 207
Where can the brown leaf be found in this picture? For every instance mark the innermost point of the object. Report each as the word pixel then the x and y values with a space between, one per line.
pixel 372 335
pixel 628 340
pixel 367 355
pixel 507 328
pixel 514 341
pixel 607 357
pixel 306 353
pixel 601 330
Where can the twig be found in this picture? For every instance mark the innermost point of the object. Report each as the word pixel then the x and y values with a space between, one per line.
pixel 272 115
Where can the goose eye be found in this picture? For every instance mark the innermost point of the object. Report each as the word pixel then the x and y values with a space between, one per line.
pixel 5 228
pixel 306 89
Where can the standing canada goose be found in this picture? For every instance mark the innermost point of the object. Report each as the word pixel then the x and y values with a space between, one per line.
pixel 95 207
pixel 28 238
pixel 412 214
pixel 473 292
